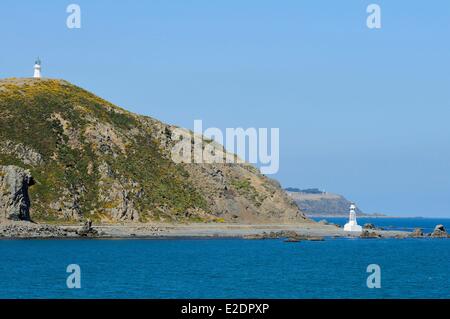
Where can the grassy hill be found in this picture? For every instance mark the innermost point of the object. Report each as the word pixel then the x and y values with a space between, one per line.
pixel 90 158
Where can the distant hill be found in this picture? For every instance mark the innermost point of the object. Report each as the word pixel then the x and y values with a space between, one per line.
pixel 316 203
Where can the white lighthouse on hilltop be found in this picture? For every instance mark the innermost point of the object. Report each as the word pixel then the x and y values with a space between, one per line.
pixel 37 69
pixel 352 224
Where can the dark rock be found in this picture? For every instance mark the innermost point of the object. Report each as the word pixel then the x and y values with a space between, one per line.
pixel 368 234
pixel 417 233
pixel 288 235
pixel 439 232
pixel 370 226
pixel 86 230
pixel 14 198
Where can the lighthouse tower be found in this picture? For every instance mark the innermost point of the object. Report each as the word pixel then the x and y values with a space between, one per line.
pixel 37 69
pixel 352 224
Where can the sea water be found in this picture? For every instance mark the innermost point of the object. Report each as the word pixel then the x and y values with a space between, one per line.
pixel 388 223
pixel 228 268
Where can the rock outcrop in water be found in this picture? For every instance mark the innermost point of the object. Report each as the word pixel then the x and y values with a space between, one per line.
pixel 417 233
pixel 439 232
pixel 289 236
pixel 369 234
pixel 14 198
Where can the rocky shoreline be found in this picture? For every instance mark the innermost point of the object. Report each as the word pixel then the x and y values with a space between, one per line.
pixel 290 233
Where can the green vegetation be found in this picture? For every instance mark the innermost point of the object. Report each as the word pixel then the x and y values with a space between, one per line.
pixel 31 113
pixel 244 187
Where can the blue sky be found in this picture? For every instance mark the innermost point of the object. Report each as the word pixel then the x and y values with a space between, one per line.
pixel 361 112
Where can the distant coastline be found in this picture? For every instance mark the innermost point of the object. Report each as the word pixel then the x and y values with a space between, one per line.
pixel 314 202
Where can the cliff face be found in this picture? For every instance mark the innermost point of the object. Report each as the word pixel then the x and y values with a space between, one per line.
pixel 14 199
pixel 91 159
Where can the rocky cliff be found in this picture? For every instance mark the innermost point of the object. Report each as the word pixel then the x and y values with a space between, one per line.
pixel 14 199
pixel 92 159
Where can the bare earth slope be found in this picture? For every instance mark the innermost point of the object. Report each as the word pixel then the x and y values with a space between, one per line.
pixel 91 159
